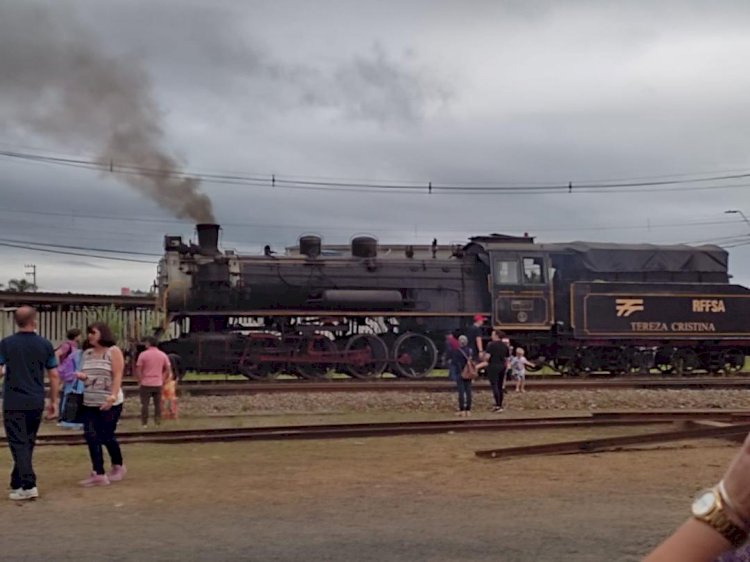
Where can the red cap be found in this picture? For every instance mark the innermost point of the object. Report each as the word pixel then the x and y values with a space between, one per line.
pixel 479 318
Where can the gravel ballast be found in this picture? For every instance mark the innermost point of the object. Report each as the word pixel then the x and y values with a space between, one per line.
pixel 371 402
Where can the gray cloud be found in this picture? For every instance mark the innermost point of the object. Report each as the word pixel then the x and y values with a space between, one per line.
pixel 56 81
pixel 503 92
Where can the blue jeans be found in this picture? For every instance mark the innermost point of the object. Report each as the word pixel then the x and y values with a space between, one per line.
pixel 464 390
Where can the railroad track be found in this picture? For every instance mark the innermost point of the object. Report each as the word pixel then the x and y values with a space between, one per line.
pixel 229 388
pixel 359 430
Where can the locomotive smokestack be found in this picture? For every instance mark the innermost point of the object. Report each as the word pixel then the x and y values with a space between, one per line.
pixel 208 238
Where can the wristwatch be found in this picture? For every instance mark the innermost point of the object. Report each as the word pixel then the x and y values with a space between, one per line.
pixel 709 508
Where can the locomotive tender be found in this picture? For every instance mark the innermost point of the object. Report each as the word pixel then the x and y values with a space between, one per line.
pixel 577 307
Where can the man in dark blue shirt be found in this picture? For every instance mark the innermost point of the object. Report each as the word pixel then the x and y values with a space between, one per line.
pixel 25 356
pixel 474 333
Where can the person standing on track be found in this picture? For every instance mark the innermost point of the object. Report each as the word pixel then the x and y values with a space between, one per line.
pixel 66 356
pixel 474 334
pixel 102 370
pixel 497 365
pixel 518 367
pixel 460 356
pixel 24 357
pixel 152 369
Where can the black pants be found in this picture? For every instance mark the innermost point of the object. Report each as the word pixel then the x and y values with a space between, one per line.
pixel 99 428
pixel 148 392
pixel 21 427
pixel 496 375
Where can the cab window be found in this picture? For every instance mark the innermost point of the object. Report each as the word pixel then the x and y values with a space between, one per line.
pixel 506 272
pixel 533 271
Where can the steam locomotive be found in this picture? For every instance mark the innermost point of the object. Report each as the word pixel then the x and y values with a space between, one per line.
pixel 575 307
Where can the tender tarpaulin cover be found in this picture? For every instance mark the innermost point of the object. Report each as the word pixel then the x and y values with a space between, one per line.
pixel 601 257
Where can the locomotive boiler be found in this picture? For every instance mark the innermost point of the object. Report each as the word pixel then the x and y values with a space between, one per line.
pixel 577 307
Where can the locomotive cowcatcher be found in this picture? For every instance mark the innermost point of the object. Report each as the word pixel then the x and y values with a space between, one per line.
pixel 575 307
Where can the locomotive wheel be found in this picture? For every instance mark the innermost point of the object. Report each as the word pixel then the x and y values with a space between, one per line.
pixel 589 360
pixel 563 365
pixel 378 353
pixel 414 355
pixel 175 361
pixel 663 360
pixel 685 361
pixel 616 361
pixel 250 367
pixel 309 347
pixel 733 361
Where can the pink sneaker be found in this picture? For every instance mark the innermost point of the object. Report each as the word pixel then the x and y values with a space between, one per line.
pixel 95 480
pixel 118 472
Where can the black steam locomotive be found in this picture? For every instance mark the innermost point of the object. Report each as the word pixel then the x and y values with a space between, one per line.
pixel 575 307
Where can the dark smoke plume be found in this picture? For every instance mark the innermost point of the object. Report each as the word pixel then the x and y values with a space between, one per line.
pixel 56 80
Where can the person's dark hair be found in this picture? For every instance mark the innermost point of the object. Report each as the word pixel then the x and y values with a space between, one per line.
pixel 150 340
pixel 456 333
pixel 73 333
pixel 106 338
pixel 500 334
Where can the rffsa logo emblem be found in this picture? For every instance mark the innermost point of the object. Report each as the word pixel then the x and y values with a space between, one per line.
pixel 626 307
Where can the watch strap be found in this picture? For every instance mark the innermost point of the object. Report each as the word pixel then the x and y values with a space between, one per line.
pixel 720 521
pixel 733 533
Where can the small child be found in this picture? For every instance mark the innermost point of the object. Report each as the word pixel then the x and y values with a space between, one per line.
pixel 169 406
pixel 518 368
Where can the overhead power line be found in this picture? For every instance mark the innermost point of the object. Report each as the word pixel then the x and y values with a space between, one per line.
pixel 50 250
pixel 277 180
pixel 85 248
pixel 286 226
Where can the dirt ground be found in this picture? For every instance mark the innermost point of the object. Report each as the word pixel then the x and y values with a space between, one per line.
pixel 403 498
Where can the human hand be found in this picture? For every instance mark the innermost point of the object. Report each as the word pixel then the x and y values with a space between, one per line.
pixel 737 483
pixel 81 376
pixel 108 403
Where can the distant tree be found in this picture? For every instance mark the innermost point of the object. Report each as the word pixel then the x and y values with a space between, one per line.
pixel 141 293
pixel 21 286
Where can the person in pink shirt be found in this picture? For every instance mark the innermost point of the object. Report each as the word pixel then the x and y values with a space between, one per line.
pixel 152 369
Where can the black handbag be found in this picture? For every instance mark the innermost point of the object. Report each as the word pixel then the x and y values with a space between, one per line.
pixel 73 408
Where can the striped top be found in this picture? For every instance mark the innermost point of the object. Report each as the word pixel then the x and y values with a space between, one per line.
pixel 98 383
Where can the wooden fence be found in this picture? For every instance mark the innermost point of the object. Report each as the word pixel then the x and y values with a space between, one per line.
pixel 132 324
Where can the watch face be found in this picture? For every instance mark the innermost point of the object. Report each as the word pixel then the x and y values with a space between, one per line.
pixel 704 503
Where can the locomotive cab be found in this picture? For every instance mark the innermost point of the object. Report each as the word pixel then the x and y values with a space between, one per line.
pixel 521 287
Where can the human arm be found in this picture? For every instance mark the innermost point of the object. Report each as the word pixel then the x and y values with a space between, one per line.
pixel 696 541
pixel 138 370
pixel 54 393
pixel 62 352
pixel 118 367
pixel 480 344
pixel 54 382
pixel 693 541
pixel 167 369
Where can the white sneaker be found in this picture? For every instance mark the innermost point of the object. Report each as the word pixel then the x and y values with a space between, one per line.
pixel 22 495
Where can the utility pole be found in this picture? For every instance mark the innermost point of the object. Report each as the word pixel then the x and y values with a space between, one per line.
pixel 31 272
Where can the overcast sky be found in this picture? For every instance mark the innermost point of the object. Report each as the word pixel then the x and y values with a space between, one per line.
pixel 453 92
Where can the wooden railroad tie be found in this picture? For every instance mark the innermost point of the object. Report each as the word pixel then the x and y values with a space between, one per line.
pixel 614 443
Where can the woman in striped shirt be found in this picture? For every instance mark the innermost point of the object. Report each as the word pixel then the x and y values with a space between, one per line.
pixel 102 371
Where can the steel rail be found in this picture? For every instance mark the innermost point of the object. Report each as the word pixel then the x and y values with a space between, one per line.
pixel 614 443
pixel 334 431
pixel 253 387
